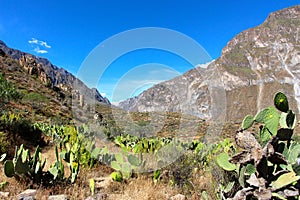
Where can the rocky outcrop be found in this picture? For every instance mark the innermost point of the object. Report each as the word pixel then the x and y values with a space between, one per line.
pixel 52 76
pixel 33 68
pixel 253 66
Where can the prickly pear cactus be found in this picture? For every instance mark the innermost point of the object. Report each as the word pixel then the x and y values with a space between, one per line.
pixel 9 169
pixel 269 169
pixel 24 165
pixel 223 162
pixel 247 122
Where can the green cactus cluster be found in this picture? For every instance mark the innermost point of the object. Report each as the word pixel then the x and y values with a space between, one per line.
pixel 141 145
pixel 57 169
pixel 71 156
pixel 268 166
pixel 102 155
pixel 122 166
pixel 25 166
pixel 72 147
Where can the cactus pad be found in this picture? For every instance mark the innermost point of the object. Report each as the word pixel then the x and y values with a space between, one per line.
pixel 9 169
pixel 247 122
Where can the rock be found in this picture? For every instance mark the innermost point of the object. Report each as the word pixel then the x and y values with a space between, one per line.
pixel 178 197
pixel 103 182
pixel 2 53
pixel 100 196
pixel 58 197
pixel 81 100
pixel 4 194
pixel 27 195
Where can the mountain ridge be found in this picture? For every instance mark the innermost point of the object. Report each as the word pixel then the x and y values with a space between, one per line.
pixel 253 66
pixel 49 74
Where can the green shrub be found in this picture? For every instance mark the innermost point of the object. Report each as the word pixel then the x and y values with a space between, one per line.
pixel 8 91
pixel 35 97
pixel 16 126
pixel 116 176
pixel 36 100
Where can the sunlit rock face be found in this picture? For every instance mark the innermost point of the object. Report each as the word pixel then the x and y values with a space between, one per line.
pixel 253 66
pixel 51 75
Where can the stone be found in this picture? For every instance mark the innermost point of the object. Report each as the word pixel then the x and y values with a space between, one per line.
pixel 100 196
pixel 27 195
pixel 58 197
pixel 2 53
pixel 178 197
pixel 81 100
pixel 4 194
pixel 103 182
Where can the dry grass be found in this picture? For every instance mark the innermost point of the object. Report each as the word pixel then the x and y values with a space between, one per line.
pixel 140 187
pixel 136 188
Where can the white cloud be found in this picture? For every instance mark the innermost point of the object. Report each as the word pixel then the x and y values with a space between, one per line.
pixel 39 46
pixel 40 51
pixel 33 41
pixel 39 42
pixel 44 44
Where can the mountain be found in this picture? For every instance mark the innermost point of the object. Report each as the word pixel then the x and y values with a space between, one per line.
pixel 253 66
pixel 49 91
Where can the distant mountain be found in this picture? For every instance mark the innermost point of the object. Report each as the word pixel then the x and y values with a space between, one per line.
pixel 253 66
pixel 58 91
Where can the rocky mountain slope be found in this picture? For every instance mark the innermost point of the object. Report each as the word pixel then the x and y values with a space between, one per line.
pixel 48 73
pixel 253 66
pixel 48 91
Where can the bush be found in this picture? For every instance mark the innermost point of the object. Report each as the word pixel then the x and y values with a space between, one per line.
pixel 16 126
pixel 8 91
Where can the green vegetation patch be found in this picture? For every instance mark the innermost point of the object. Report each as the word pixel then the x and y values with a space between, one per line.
pixel 36 97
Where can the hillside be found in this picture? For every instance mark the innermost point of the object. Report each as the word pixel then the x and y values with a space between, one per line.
pixel 47 90
pixel 181 139
pixel 253 66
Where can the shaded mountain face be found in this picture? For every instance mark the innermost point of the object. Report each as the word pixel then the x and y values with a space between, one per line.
pixel 253 66
pixel 48 91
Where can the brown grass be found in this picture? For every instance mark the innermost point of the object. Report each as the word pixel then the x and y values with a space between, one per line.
pixel 135 188
pixel 140 187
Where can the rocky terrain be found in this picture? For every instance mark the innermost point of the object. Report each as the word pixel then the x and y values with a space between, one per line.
pixel 49 74
pixel 48 91
pixel 253 66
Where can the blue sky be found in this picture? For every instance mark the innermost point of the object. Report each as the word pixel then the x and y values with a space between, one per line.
pixel 66 32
